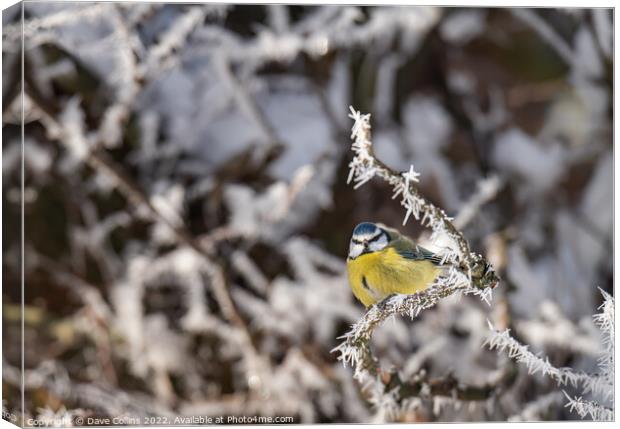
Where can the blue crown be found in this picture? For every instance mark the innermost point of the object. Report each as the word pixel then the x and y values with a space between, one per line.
pixel 365 228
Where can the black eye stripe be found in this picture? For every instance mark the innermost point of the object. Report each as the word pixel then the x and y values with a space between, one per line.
pixel 356 241
pixel 375 238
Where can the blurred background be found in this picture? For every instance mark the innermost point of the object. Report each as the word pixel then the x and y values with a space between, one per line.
pixel 187 215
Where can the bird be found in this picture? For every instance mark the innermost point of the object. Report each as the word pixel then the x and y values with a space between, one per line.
pixel 382 261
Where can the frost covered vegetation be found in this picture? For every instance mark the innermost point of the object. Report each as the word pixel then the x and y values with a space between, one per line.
pixel 188 214
pixel 469 273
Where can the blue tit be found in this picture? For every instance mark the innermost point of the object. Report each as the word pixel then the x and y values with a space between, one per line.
pixel 382 262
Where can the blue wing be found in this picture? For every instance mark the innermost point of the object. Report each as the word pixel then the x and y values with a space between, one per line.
pixel 412 251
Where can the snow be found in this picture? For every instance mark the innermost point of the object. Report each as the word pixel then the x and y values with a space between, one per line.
pixel 463 26
pixel 521 156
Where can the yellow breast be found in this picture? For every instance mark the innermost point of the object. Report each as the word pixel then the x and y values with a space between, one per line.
pixel 373 276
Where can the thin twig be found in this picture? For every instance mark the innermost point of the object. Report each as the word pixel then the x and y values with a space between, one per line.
pixel 544 30
pixel 449 386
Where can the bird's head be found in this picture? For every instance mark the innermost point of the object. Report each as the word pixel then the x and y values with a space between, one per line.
pixel 367 238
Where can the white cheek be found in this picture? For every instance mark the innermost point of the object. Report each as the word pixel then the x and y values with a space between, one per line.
pixel 355 250
pixel 378 245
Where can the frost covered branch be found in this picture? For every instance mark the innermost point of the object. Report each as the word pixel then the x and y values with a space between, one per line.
pixel 68 130
pixel 469 273
pixel 487 190
pixel 366 166
pixel 585 408
pixel 355 350
pixel 51 376
pixel 388 390
pixel 597 384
